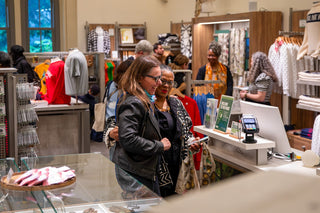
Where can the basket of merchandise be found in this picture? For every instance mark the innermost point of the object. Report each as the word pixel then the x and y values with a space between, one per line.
pixel 46 178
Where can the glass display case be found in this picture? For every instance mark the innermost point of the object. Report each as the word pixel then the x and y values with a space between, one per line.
pixel 96 188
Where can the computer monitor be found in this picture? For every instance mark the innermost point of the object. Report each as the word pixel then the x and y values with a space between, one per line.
pixel 270 123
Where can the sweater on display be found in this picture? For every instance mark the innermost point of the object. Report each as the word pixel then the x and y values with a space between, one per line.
pixel 55 84
pixel 76 74
pixel 311 40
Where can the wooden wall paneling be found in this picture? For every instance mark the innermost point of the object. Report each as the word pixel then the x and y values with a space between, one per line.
pixel 296 16
pixel 202 36
pixel 264 29
pixel 276 100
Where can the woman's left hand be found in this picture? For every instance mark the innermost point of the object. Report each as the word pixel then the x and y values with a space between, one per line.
pixel 196 146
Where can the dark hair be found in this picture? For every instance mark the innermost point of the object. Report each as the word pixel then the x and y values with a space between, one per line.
pixel 4 59
pixel 94 89
pixel 129 82
pixel 16 51
pixel 181 60
pixel 121 69
pixel 155 46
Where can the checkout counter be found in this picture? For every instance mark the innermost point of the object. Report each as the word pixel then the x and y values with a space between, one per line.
pixel 256 156
pixel 250 157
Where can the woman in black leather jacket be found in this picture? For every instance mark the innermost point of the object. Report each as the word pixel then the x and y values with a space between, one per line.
pixel 140 143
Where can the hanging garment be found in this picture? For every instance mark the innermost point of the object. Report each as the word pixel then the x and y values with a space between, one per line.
pixel 186 40
pixel 41 70
pixel 237 50
pixel 93 46
pixel 109 68
pixel 223 39
pixel 192 108
pixel 311 40
pixel 55 84
pixel 315 145
pixel 76 74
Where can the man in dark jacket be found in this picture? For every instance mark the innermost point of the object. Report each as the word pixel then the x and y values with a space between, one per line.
pixel 21 64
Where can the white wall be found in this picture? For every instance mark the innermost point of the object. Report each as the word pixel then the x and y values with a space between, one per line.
pixel 158 14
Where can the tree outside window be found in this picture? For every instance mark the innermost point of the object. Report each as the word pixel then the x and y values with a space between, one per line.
pixel 42 26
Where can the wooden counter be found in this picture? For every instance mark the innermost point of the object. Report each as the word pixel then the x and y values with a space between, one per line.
pixel 63 129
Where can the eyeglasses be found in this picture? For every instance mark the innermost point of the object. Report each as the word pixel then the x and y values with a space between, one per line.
pixel 156 78
pixel 164 82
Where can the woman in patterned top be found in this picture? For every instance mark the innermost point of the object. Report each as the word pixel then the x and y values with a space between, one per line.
pixel 261 79
pixel 175 124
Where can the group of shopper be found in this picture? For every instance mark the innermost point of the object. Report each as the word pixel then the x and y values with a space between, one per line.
pixel 146 125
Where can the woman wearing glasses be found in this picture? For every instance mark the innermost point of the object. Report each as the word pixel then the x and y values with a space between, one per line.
pixel 140 143
pixel 175 124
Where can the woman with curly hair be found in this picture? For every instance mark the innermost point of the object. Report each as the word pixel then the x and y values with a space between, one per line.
pixel 214 70
pixel 261 78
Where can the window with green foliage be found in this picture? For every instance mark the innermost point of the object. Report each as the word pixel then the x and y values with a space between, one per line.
pixel 6 28
pixel 41 25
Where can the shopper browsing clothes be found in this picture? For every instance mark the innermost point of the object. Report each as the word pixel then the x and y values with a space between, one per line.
pixel 175 124
pixel 214 70
pixel 261 78
pixel 140 143
pixel 21 64
pixel 111 99
pixel 111 96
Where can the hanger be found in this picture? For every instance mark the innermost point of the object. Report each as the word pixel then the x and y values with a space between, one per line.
pixel 47 61
pixel 175 91
pixel 182 87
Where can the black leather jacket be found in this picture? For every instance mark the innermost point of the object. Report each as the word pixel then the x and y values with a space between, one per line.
pixel 139 139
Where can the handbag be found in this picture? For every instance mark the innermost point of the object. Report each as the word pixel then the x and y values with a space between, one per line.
pixel 187 178
pixel 99 117
pixel 207 171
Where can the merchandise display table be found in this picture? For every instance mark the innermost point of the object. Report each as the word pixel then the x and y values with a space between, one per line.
pixel 239 159
pixel 63 129
pixel 96 187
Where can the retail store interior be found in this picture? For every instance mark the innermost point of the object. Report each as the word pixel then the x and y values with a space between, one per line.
pixel 225 119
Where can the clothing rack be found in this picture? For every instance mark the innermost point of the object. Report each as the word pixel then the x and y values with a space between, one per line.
pixel 190 82
pixel 291 33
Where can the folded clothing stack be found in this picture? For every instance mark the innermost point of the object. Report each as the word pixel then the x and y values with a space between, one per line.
pixel 306 133
pixel 309 76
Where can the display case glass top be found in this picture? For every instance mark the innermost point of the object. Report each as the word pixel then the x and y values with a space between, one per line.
pixel 96 186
